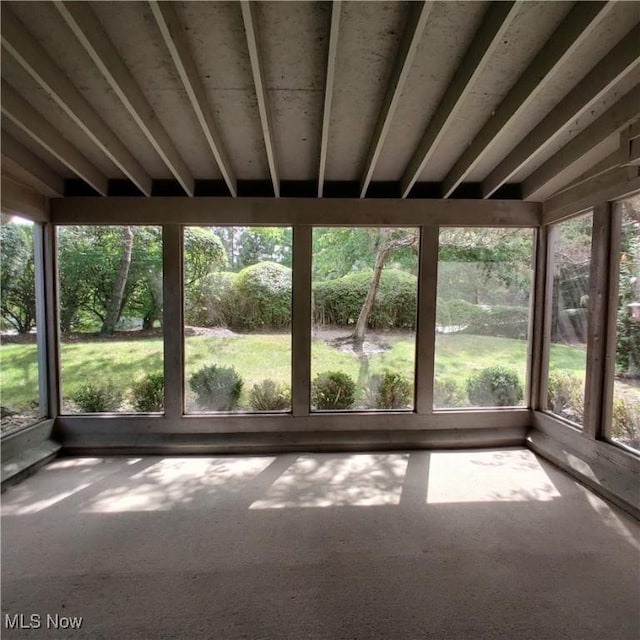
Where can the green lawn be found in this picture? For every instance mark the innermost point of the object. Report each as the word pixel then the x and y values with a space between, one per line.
pixel 257 357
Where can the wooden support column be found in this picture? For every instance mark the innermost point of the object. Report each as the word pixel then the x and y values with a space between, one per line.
pixel 597 324
pixel 609 368
pixel 301 321
pixel 537 322
pixel 172 320
pixel 51 357
pixel 41 319
pixel 551 234
pixel 426 321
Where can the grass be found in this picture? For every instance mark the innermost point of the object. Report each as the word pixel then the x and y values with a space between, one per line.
pixel 257 357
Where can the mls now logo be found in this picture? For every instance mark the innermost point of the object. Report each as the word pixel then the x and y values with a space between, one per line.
pixel 36 621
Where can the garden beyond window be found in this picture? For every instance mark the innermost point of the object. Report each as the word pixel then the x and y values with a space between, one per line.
pixel 482 317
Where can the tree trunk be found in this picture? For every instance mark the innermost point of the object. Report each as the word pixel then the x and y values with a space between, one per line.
pixel 115 303
pixel 363 319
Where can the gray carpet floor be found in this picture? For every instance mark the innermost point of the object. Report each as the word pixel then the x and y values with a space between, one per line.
pixel 448 545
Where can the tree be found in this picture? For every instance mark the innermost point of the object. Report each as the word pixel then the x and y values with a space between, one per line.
pixel 17 279
pixel 386 241
pixel 115 302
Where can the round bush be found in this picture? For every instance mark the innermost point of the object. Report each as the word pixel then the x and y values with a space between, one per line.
pixel 339 301
pixel 262 297
pixel 565 395
pixel 392 390
pixel 97 398
pixel 495 387
pixel 448 394
pixel 148 393
pixel 211 302
pixel 269 396
pixel 216 388
pixel 333 390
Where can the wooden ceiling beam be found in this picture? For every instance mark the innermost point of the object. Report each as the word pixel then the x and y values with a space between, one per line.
pixel 176 42
pixel 574 30
pixel 418 17
pixel 36 126
pixel 84 24
pixel 250 26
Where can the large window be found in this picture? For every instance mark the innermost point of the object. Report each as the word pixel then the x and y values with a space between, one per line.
pixel 625 421
pixel 482 317
pixel 569 266
pixel 110 314
pixel 19 374
pixel 364 314
pixel 237 311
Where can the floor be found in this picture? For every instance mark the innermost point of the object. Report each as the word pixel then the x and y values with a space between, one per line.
pixel 450 545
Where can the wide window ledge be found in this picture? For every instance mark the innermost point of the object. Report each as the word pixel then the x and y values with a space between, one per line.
pixel 25 451
pixel 605 468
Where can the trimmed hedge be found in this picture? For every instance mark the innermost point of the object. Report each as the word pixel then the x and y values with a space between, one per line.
pixel 338 302
pixel 262 295
pixel 211 302
pixel 496 320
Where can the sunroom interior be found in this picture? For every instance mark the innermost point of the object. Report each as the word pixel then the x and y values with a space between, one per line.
pixel 480 159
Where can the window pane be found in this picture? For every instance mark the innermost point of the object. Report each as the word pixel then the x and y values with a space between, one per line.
pixel 570 262
pixel 482 317
pixel 237 296
pixel 364 313
pixel 19 351
pixel 110 313
pixel 625 425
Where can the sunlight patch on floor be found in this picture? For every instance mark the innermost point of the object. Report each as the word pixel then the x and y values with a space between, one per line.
pixel 174 483
pixel 28 506
pixel 342 480
pixel 488 476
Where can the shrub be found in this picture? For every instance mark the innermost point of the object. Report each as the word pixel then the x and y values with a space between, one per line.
pixel 495 387
pixel 339 301
pixel 448 394
pixel 390 390
pixel 211 302
pixel 565 395
pixel 625 423
pixel 262 297
pixel 97 398
pixel 333 390
pixel 269 396
pixel 148 393
pixel 216 388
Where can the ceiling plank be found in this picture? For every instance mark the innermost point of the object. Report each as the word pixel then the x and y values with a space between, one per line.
pixel 28 53
pixel 572 32
pixel 485 42
pixel 174 38
pixel 621 60
pixel 418 17
pixel 332 55
pixel 613 120
pixel 24 116
pixel 90 33
pixel 253 44
pixel 47 180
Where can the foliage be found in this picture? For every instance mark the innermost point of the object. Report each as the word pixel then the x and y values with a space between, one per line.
pixel 148 393
pixel 97 398
pixel 333 390
pixel 17 277
pixel 391 390
pixel 625 423
pixel 245 246
pixel 216 388
pixel 212 303
pixel 339 301
pixel 270 396
pixel 565 395
pixel 448 393
pixel 495 387
pixel 262 297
